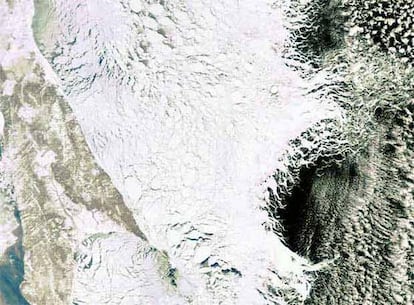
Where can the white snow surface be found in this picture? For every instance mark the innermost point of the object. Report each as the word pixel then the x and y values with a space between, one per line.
pixel 187 106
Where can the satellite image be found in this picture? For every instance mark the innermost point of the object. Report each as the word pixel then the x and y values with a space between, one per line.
pixel 206 152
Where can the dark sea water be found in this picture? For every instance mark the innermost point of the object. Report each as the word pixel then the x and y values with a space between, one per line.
pixel 12 271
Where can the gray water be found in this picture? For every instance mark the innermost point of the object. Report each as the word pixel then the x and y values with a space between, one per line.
pixel 12 271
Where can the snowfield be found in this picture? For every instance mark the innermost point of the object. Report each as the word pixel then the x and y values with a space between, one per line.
pixel 188 106
pixel 205 152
